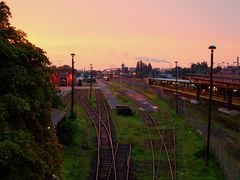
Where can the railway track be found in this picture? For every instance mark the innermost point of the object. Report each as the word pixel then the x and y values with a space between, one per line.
pixel 123 162
pixel 105 151
pixel 164 146
pixel 119 168
pixel 107 146
pixel 163 158
pixel 170 138
pixel 109 163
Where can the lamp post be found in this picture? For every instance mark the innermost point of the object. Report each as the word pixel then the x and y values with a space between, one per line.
pixel 176 87
pixel 91 81
pixel 120 77
pixel 133 79
pixel 72 54
pixel 210 104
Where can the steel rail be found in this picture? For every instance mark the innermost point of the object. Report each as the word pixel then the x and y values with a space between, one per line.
pixel 174 143
pixel 151 144
pixel 108 135
pixel 162 140
pixel 97 133
pixel 129 161
pixel 105 112
pixel 88 109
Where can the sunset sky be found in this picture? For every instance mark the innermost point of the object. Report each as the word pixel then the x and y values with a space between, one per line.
pixel 107 33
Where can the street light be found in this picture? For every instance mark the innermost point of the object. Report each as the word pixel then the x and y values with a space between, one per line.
pixel 72 54
pixel 133 79
pixel 210 104
pixel 176 87
pixel 90 82
pixel 120 77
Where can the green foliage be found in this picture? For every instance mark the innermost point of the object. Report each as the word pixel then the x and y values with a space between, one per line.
pixel 143 69
pixel 65 131
pixel 57 101
pixel 29 147
pixel 18 154
pixel 78 155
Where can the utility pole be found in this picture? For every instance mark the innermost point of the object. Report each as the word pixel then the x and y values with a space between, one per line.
pixel 176 87
pixel 72 84
pixel 210 105
pixel 133 79
pixel 91 81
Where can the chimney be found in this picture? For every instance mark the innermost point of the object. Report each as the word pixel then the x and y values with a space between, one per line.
pixel 237 61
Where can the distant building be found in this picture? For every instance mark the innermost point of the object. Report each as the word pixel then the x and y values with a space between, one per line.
pixel 62 76
pixel 132 69
pixel 231 70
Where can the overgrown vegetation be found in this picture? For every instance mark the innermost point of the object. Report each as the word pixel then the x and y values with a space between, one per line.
pixel 78 153
pixel 28 146
pixel 65 131
pixel 190 161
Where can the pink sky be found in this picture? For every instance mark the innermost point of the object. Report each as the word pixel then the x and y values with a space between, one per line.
pixel 107 33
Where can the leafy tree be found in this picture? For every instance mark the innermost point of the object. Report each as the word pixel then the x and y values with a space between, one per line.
pixel 200 68
pixel 217 69
pixel 28 145
pixel 143 70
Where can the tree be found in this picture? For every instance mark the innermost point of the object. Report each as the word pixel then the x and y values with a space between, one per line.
pixel 28 145
pixel 217 69
pixel 143 70
pixel 200 68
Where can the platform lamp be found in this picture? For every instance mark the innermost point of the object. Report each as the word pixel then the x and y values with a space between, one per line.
pixel 72 84
pixel 212 47
pixel 133 79
pixel 176 86
pixel 121 77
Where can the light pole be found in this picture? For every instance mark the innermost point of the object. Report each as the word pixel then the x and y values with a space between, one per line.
pixel 120 77
pixel 133 79
pixel 72 84
pixel 210 105
pixel 176 87
pixel 91 82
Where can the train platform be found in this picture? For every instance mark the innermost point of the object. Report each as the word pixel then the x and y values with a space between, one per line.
pixel 231 112
pixel 112 101
pixel 219 100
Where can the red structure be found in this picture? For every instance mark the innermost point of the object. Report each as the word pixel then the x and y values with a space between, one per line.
pixel 63 77
pixel 219 80
pixel 224 84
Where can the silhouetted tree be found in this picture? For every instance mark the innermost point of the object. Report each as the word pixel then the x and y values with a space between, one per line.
pixel 200 68
pixel 217 69
pixel 28 146
pixel 143 70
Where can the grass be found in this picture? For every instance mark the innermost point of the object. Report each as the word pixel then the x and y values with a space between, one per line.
pixel 131 130
pixel 190 162
pixel 190 146
pixel 93 101
pixel 78 155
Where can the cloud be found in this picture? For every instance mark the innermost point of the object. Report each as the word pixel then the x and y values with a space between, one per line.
pixel 124 55
pixel 147 59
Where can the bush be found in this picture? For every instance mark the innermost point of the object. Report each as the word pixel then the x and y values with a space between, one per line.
pixel 124 110
pixel 65 130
